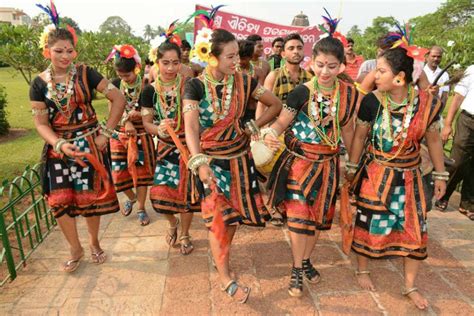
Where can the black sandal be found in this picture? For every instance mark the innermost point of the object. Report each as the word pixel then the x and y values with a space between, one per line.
pixel 441 205
pixel 277 220
pixel 231 289
pixel 296 282
pixel 311 275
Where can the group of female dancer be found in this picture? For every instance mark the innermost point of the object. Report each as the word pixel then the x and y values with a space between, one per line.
pixel 202 162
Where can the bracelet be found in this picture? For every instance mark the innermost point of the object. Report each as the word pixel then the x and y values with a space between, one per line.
pixel 289 109
pixel 197 161
pixel 351 167
pixel 123 120
pixel 161 134
pixel 440 175
pixel 110 86
pixel 145 111
pixel 38 112
pixel 268 130
pixel 107 132
pixel 259 92
pixel 59 143
pixel 359 88
pixel 252 126
pixel 190 107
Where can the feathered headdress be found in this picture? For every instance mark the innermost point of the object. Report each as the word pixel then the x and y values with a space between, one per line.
pixel 329 28
pixel 170 35
pixel 53 15
pixel 202 44
pixel 125 51
pixel 404 39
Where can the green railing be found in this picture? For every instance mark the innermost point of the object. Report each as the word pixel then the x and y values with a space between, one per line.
pixel 25 221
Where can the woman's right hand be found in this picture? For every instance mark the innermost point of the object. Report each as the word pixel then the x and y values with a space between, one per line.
pixel 163 124
pixel 272 142
pixel 205 174
pixel 71 150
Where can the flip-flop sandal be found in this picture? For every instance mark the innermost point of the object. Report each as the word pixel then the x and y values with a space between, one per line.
pixel 128 207
pixel 186 248
pixel 72 265
pixel 143 218
pixel 171 238
pixel 98 257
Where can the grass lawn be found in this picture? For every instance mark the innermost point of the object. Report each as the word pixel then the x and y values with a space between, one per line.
pixel 17 154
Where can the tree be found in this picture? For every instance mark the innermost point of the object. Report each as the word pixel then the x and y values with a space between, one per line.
pixel 354 32
pixel 19 49
pixel 115 25
pixel 4 126
pixel 148 32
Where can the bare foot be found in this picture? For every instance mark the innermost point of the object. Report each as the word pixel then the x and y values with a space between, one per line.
pixel 418 299
pixel 363 278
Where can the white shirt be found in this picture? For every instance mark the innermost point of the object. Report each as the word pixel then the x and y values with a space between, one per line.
pixel 432 76
pixel 465 87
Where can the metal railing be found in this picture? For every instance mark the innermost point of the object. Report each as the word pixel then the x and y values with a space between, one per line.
pixel 25 220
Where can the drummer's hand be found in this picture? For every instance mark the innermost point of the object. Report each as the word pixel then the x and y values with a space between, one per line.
pixel 272 142
pixel 205 174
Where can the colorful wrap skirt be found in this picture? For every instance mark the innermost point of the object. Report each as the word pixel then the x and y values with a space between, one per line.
pixel 132 158
pixel 78 186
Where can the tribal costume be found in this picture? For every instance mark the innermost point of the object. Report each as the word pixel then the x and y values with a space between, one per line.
pixel 127 150
pixel 284 85
pixel 171 191
pixel 71 187
pixel 221 107
pixel 391 199
pixel 306 176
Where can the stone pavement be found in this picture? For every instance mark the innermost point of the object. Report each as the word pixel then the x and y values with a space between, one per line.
pixel 143 276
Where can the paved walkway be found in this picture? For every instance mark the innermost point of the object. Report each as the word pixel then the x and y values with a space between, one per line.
pixel 143 276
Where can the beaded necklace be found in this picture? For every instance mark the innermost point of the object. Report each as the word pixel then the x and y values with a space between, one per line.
pixel 132 92
pixel 210 84
pixel 162 107
pixel 316 105
pixel 58 96
pixel 386 134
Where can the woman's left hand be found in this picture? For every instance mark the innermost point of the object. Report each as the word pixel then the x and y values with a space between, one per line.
pixel 101 142
pixel 439 189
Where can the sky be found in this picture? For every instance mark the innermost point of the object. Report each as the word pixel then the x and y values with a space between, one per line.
pixel 90 14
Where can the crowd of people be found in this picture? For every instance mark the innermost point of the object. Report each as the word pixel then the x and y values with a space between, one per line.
pixel 246 140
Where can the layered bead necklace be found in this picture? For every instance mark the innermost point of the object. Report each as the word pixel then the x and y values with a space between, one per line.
pixel 318 104
pixel 132 92
pixel 58 93
pixel 219 106
pixel 164 109
pixel 387 137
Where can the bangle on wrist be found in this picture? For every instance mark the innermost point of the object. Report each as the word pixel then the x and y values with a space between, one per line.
pixel 107 132
pixel 197 161
pixel 440 175
pixel 59 143
pixel 252 126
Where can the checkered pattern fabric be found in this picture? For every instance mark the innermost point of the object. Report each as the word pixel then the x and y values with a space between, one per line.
pixel 396 128
pixel 304 129
pixel 383 224
pixel 119 165
pixel 166 173
pixel 206 114
pixel 223 179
